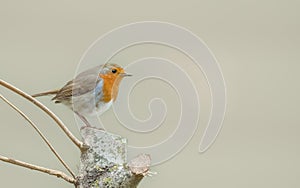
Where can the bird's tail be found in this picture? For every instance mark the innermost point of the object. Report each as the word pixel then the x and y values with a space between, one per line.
pixel 53 92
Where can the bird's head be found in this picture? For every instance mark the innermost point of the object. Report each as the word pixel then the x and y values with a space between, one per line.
pixel 112 75
pixel 113 71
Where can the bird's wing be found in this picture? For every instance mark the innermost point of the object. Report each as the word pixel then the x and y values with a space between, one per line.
pixel 81 84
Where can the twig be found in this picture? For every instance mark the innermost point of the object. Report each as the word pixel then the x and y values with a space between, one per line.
pixel 78 143
pixel 39 132
pixel 39 168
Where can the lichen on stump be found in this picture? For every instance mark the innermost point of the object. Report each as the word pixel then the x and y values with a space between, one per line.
pixel 104 164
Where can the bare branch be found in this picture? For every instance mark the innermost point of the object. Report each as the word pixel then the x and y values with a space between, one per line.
pixel 39 168
pixel 39 132
pixel 78 143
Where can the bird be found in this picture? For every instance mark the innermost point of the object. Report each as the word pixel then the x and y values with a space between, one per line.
pixel 90 93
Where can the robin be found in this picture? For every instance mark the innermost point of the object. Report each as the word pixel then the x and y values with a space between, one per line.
pixel 91 92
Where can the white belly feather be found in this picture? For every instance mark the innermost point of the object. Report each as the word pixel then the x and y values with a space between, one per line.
pixel 87 106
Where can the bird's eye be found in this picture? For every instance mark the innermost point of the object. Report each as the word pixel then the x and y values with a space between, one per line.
pixel 114 71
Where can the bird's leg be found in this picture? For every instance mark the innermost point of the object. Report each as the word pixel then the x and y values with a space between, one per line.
pixel 85 121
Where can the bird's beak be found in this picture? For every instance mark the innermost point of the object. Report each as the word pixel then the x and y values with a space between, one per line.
pixel 125 74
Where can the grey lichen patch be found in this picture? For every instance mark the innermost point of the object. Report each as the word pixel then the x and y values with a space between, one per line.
pixel 104 164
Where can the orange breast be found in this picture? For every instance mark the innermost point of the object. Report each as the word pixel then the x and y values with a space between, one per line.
pixel 110 87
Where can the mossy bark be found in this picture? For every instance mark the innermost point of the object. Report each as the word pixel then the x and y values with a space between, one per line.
pixel 104 164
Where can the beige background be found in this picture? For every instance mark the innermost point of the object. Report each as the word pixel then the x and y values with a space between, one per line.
pixel 257 46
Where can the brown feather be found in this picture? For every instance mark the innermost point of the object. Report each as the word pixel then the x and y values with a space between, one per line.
pixel 81 84
pixel 53 92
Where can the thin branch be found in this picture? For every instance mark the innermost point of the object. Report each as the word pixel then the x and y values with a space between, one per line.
pixel 39 132
pixel 78 143
pixel 39 168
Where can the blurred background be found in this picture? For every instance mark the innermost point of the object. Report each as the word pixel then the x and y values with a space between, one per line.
pixel 255 42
